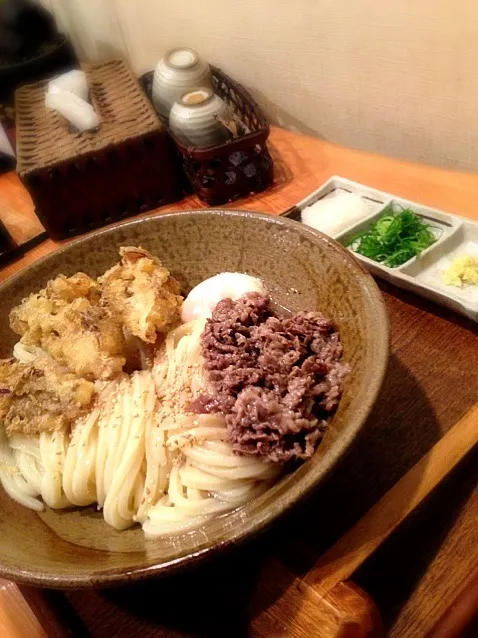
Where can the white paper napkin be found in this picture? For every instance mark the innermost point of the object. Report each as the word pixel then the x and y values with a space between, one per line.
pixel 5 146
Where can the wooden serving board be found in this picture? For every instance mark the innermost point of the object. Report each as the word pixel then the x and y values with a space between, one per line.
pixel 262 585
pixel 432 382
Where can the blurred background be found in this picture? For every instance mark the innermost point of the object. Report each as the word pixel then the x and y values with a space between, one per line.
pixel 397 77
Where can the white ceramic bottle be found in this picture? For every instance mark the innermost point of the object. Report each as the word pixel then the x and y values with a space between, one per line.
pixel 194 118
pixel 179 71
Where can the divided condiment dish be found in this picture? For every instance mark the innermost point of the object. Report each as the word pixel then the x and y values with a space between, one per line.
pixel 422 274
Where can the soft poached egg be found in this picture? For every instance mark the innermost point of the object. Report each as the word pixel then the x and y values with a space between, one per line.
pixel 202 299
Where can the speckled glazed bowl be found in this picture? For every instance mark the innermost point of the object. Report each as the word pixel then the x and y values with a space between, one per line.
pixel 302 269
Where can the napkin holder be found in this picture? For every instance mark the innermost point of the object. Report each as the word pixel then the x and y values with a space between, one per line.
pixel 81 181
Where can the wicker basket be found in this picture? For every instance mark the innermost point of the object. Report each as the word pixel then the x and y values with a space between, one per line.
pixel 83 181
pixel 238 167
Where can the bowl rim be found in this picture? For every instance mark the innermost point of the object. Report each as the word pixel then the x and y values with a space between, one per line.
pixel 261 521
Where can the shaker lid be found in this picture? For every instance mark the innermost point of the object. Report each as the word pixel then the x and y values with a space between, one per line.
pixel 181 58
pixel 196 97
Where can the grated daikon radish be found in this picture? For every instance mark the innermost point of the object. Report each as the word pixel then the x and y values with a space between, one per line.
pixel 332 215
pixel 74 81
pixel 78 112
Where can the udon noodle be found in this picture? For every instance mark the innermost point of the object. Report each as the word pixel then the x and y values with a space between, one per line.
pixel 139 455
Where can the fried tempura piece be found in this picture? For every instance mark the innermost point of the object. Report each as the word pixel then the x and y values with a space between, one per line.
pixel 141 292
pixel 40 396
pixel 66 320
pixel 65 288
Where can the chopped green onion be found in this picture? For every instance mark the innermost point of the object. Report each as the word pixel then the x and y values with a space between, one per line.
pixel 394 238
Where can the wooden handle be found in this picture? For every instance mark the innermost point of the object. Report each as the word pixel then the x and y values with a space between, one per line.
pixel 279 609
pixel 324 603
pixel 343 559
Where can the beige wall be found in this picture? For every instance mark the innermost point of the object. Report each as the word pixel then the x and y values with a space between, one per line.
pixel 398 77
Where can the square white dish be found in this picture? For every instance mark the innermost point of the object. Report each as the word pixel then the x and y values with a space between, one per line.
pixel 422 274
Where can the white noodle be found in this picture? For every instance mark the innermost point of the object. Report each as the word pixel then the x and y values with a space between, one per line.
pixel 140 455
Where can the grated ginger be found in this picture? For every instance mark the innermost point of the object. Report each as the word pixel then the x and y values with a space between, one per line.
pixel 462 271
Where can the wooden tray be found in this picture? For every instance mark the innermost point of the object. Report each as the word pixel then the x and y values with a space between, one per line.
pixel 242 586
pixel 431 383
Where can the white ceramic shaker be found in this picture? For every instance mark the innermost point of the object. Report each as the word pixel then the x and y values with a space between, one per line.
pixel 179 71
pixel 194 118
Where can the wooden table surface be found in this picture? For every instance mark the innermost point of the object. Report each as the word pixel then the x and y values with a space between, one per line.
pixel 431 383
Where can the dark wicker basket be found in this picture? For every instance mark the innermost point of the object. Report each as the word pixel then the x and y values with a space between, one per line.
pixel 83 181
pixel 236 168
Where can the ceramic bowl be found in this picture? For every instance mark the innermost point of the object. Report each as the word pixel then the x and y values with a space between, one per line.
pixel 179 71
pixel 302 269
pixel 194 119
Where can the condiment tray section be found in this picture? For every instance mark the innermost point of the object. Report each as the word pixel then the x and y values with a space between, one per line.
pixel 427 251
